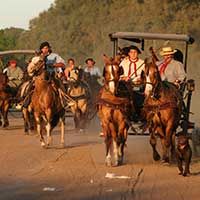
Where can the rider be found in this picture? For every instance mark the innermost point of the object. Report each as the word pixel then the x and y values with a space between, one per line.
pixel 15 76
pixel 91 68
pixel 170 69
pixel 53 62
pixel 70 66
pixel 133 68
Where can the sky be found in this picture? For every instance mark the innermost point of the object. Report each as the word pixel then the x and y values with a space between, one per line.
pixel 17 13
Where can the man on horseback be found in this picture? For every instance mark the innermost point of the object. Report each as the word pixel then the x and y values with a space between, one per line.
pixel 53 62
pixel 54 65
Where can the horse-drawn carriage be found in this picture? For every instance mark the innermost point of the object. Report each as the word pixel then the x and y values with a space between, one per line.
pixel 157 41
pixel 166 107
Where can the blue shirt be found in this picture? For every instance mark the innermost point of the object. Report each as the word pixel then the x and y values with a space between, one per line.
pixel 52 59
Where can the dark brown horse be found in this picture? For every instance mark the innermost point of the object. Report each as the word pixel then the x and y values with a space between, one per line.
pixel 46 105
pixel 162 107
pixel 112 112
pixel 4 100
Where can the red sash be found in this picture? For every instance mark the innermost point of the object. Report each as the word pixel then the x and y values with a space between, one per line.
pixel 135 69
pixel 163 66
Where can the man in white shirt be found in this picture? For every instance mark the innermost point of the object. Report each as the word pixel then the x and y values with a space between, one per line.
pixel 91 68
pixel 132 66
pixel 171 70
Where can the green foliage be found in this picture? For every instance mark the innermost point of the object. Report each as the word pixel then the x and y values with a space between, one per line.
pixel 80 28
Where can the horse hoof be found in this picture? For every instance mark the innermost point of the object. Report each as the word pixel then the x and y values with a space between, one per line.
pixel 5 125
pixel 62 145
pixel 1 123
pixel 156 156
pixel 43 144
pixel 108 162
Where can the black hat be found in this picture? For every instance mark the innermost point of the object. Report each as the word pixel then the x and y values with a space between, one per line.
pixel 91 59
pixel 44 44
pixel 135 48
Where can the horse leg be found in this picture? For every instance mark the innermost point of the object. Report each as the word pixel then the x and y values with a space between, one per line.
pixel 108 143
pixel 153 142
pixel 62 126
pixel 168 142
pixel 38 122
pixel 48 129
pixel 5 114
pixel 26 120
pixel 165 154
pixel 121 143
pixel 0 120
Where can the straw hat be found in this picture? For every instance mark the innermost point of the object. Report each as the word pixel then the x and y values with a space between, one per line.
pixel 167 51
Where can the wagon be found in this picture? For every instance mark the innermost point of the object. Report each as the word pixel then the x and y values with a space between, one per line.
pixel 153 39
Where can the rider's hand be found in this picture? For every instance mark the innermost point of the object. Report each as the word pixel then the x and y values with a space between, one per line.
pixel 11 78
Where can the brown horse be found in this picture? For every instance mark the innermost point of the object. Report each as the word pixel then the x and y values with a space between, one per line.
pixel 4 99
pixel 79 94
pixel 46 105
pixel 162 107
pixel 112 112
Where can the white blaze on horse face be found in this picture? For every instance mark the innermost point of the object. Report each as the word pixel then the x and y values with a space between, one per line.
pixel 148 87
pixel 111 83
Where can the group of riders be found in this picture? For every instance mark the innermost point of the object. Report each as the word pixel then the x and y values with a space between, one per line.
pixel 171 69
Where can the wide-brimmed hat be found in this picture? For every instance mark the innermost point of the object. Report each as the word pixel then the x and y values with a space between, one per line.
pixel 167 51
pixel 134 48
pixel 91 59
pixel 44 44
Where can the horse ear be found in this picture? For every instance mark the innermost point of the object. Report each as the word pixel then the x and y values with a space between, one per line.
pixel 121 70
pixel 117 59
pixel 106 59
pixel 104 71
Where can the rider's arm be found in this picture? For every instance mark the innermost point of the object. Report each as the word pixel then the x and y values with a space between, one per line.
pixel 59 62
pixel 180 72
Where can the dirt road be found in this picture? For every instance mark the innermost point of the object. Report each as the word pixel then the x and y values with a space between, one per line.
pixel 29 172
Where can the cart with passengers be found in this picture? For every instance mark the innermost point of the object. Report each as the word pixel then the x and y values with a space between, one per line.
pixel 157 41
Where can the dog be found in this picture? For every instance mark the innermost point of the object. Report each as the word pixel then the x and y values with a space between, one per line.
pixel 183 153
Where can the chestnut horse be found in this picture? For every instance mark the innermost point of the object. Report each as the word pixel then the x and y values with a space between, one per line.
pixel 112 112
pixel 45 102
pixel 80 96
pixel 4 100
pixel 162 107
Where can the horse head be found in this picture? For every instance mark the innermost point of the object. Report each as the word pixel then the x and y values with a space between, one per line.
pixel 152 76
pixel 112 72
pixel 3 81
pixel 36 65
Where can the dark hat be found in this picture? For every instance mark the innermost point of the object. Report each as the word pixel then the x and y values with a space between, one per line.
pixel 44 44
pixel 91 59
pixel 135 48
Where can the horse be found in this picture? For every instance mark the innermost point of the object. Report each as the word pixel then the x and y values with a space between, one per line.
pixel 45 102
pixel 80 95
pixel 112 112
pixel 4 99
pixel 162 108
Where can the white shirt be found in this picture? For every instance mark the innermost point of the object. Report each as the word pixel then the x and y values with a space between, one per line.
pixel 173 72
pixel 94 71
pixel 139 68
